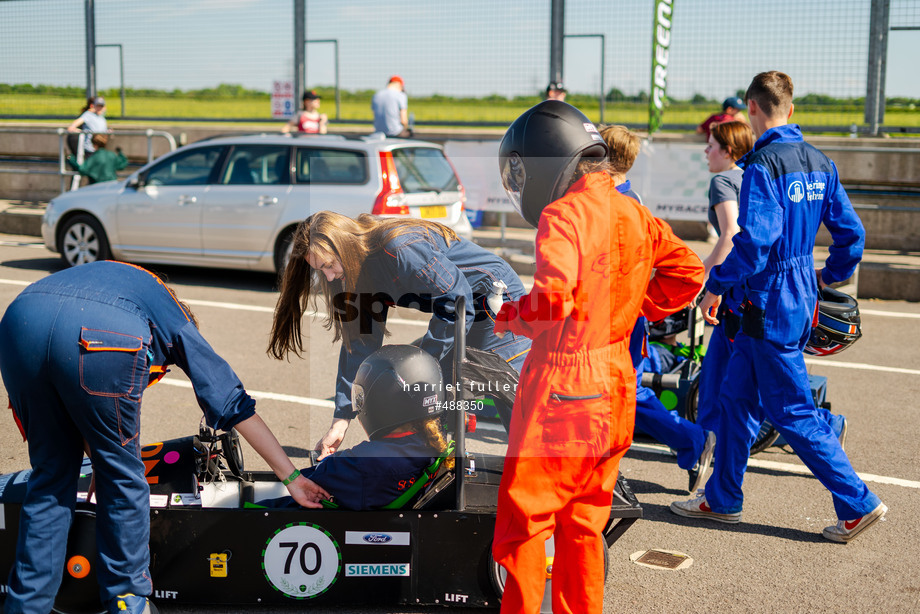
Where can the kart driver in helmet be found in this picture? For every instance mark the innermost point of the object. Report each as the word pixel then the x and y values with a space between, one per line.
pixel 573 416
pixel 399 396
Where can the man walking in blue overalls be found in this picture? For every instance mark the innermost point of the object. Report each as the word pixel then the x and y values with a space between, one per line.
pixel 789 189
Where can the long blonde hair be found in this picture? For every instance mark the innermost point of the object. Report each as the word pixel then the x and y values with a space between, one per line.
pixel 350 240
pixel 432 429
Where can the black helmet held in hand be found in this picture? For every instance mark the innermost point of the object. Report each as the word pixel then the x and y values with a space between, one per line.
pixel 539 152
pixel 395 385
pixel 838 324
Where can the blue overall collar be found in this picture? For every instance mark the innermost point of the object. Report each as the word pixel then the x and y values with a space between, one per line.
pixel 788 133
pixel 624 187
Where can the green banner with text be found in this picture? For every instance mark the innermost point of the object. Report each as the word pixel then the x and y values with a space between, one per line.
pixel 661 43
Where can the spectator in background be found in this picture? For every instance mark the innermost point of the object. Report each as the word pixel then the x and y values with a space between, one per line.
pixel 624 148
pixel 309 120
pixel 693 445
pixel 731 111
pixel 391 109
pixel 92 121
pixel 104 165
pixel 555 91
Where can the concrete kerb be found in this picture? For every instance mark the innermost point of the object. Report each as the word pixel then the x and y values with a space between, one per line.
pixel 21 217
pixel 883 274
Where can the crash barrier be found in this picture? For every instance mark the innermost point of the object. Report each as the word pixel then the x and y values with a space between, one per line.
pixel 63 150
pixel 673 178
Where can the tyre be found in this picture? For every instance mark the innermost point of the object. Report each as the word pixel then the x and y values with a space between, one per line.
pixel 498 575
pixel 82 240
pixel 765 438
pixel 283 250
pixel 79 591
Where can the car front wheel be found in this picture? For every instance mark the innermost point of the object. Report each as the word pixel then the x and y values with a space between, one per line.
pixel 83 240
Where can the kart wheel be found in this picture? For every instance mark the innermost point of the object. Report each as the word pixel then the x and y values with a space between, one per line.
pixel 498 575
pixel 765 438
pixel 79 591
pixel 692 400
pixel 82 240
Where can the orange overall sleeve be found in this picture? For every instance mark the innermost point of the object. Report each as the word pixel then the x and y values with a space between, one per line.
pixel 552 297
pixel 678 275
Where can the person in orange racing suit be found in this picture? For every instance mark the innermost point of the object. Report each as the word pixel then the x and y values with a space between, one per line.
pixel 574 413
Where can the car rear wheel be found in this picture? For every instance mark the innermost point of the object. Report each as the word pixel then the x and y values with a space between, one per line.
pixel 283 250
pixel 83 241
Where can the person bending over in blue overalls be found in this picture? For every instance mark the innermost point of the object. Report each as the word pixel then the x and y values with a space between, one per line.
pixel 399 398
pixel 77 350
pixel 362 267
pixel 788 190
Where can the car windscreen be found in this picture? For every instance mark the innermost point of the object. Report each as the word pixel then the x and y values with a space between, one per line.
pixel 424 169
pixel 189 167
pixel 320 166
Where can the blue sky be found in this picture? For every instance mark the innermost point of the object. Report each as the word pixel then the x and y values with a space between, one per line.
pixel 454 47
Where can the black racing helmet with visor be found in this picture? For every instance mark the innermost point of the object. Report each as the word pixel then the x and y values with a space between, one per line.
pixel 539 152
pixel 396 385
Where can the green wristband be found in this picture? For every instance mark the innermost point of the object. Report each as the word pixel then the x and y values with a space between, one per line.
pixel 291 477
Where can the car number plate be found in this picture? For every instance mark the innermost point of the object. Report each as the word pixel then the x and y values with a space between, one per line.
pixel 438 211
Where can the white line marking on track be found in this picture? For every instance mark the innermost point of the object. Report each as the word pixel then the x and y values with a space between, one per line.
pixel 235 306
pixel 644 447
pixel 273 396
pixel 787 467
pixel 862 366
pixel 889 314
pixel 241 307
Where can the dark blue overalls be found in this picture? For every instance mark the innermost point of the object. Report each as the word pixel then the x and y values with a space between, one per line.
pixel 77 350
pixel 418 269
pixel 369 475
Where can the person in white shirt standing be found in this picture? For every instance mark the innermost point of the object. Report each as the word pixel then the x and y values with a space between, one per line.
pixel 92 121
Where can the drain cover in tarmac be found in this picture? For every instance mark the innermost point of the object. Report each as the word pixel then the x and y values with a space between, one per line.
pixel 661 559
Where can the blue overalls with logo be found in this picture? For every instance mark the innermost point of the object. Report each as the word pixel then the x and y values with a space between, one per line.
pixel 789 189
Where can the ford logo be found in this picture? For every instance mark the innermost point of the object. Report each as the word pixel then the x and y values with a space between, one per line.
pixel 377 538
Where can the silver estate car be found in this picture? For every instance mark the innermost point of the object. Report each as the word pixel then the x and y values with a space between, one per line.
pixel 233 202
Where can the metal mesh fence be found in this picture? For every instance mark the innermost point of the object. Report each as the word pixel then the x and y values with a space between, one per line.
pixel 475 61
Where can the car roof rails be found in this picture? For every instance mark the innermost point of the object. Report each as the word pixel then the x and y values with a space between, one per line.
pixel 309 135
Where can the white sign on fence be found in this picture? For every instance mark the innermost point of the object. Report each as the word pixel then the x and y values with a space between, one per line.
pixel 282 99
pixel 672 178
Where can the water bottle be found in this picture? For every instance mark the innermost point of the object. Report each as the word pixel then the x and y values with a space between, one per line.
pixel 494 299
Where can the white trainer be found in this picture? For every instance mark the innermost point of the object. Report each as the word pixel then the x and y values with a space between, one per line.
pixel 846 530
pixel 699 508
